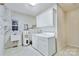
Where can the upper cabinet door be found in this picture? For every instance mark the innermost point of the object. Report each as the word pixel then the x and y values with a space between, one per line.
pixel 45 19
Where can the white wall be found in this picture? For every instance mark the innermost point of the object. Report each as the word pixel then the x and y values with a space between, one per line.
pixel 2 11
pixel 21 18
pixel 73 28
pixel 24 19
pixel 61 29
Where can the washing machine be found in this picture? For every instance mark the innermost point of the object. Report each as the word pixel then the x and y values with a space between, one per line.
pixel 26 40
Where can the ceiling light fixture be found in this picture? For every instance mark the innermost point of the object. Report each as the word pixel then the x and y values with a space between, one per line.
pixel 33 4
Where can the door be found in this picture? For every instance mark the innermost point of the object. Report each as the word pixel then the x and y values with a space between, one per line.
pixel 43 45
pixel 35 42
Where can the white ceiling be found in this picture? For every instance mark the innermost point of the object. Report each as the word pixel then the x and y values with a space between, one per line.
pixel 69 6
pixel 26 8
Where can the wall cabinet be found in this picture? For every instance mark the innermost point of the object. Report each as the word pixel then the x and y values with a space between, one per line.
pixel 46 18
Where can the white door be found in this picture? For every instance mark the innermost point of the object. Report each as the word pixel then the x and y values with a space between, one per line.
pixel 43 45
pixel 35 42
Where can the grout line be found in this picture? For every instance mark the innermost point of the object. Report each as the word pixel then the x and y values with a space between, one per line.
pixel 38 51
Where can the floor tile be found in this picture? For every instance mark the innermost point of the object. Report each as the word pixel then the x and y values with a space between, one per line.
pixel 22 51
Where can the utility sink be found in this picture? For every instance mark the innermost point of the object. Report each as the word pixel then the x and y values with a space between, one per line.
pixel 45 34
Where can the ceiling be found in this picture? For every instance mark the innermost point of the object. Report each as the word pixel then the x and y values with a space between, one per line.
pixel 26 8
pixel 69 6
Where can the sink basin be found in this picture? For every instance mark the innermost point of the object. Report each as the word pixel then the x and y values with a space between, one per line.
pixel 46 34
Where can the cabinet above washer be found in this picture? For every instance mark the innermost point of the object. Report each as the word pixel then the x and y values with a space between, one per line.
pixel 46 18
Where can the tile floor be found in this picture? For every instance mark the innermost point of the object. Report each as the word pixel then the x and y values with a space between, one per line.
pixel 22 51
pixel 29 51
pixel 68 51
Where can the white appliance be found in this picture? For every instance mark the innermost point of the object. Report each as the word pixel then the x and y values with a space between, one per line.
pixel 45 43
pixel 26 40
pixel 16 37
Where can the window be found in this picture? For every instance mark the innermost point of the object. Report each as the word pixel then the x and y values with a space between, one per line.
pixel 14 25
